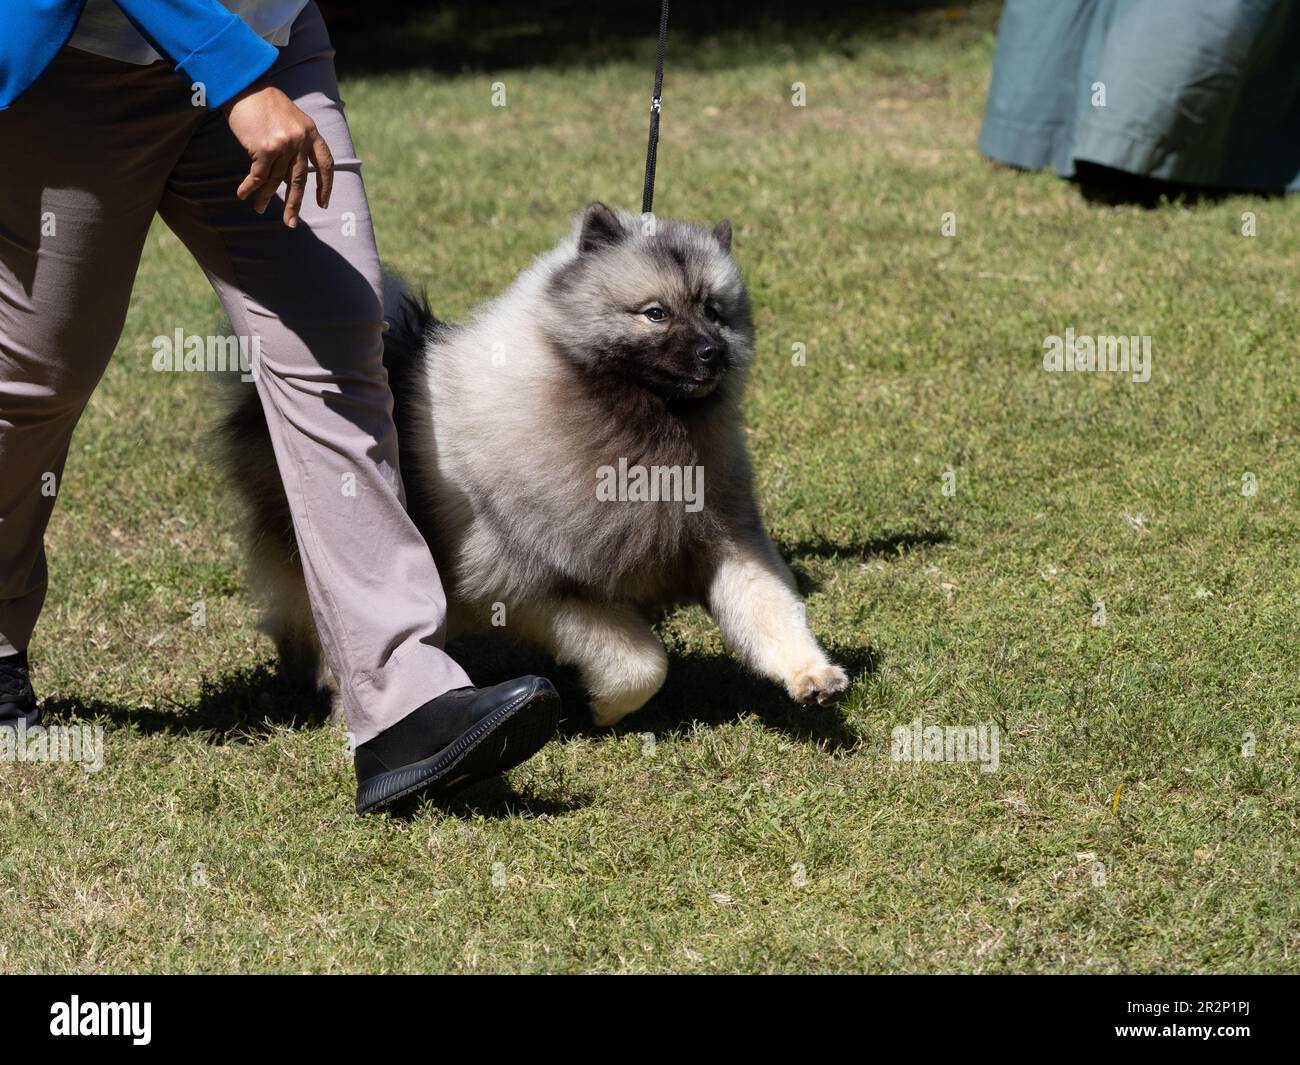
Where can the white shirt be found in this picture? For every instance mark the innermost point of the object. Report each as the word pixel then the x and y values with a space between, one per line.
pixel 104 30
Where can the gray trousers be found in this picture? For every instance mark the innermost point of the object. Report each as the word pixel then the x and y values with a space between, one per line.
pixel 91 153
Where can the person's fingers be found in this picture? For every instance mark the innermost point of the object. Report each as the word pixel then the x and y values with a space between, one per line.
pixel 291 166
pixel 257 176
pixel 263 198
pixel 324 160
pixel 297 187
pixel 278 171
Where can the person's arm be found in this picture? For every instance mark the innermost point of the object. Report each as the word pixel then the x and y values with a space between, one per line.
pixel 211 46
pixel 215 48
pixel 207 43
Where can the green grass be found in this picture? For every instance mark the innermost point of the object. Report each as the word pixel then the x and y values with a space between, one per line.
pixel 220 835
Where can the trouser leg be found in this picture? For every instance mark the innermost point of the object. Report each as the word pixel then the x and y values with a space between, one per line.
pixel 82 174
pixel 311 298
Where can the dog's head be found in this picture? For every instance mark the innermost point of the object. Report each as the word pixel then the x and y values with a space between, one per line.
pixel 659 302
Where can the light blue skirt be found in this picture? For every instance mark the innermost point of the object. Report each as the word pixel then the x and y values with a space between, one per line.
pixel 1199 92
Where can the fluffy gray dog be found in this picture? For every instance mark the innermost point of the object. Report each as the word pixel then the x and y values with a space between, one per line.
pixel 574 456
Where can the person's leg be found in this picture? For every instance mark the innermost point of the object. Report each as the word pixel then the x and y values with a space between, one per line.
pixel 86 153
pixel 311 297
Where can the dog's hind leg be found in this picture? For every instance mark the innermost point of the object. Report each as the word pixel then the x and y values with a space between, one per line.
pixel 287 619
pixel 621 661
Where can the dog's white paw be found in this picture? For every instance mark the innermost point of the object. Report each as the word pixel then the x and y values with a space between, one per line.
pixel 624 689
pixel 822 683
pixel 605 713
pixel 603 716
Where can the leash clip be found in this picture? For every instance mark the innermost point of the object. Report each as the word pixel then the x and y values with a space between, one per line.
pixel 655 102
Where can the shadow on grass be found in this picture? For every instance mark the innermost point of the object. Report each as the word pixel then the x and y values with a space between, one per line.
pixel 499 798
pixel 883 548
pixel 713 690
pixel 248 704
pixel 887 547
pixel 1116 188
pixel 243 705
pixel 701 689
pixel 454 36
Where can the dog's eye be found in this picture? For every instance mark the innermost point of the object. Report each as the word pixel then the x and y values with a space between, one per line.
pixel 656 314
pixel 712 313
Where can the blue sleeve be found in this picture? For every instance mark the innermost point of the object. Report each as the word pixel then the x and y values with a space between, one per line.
pixel 208 44
pixel 35 30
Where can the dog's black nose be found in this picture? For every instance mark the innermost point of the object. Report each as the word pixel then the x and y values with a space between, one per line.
pixel 707 352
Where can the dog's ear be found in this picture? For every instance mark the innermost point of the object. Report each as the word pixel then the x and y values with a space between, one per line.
pixel 600 229
pixel 723 232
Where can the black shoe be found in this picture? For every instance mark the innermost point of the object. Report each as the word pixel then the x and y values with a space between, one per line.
pixel 461 737
pixel 17 700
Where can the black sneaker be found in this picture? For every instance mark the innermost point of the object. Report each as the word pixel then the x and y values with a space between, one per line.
pixel 461 737
pixel 17 700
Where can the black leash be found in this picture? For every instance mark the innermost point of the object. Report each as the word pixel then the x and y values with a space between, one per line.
pixel 648 195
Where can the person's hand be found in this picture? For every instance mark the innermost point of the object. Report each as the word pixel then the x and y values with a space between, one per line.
pixel 280 138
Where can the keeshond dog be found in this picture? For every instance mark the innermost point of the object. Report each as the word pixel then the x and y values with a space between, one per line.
pixel 574 456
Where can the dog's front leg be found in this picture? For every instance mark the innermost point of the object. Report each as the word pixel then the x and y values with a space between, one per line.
pixel 752 596
pixel 621 660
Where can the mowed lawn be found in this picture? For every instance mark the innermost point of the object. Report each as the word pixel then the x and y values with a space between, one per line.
pixel 1144 813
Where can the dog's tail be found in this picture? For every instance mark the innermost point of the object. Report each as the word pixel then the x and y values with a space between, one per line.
pixel 409 323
